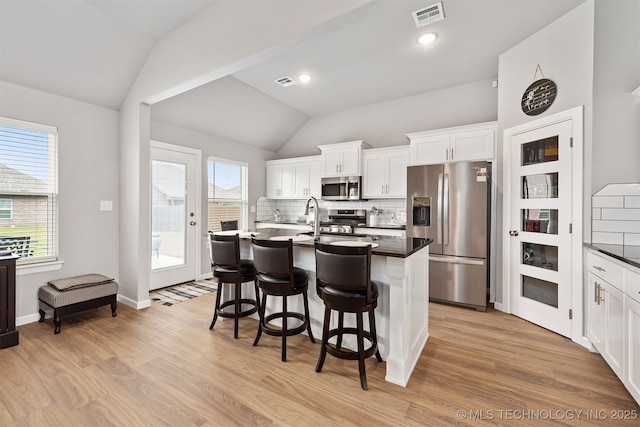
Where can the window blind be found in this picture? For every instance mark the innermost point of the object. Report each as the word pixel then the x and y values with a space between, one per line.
pixel 28 190
pixel 227 193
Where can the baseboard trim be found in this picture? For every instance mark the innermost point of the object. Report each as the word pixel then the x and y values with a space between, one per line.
pixel 134 304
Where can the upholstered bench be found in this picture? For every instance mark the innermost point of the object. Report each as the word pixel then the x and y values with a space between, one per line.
pixel 75 294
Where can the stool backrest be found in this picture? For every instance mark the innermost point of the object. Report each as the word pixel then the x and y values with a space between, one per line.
pixel 225 250
pixel 347 268
pixel 273 258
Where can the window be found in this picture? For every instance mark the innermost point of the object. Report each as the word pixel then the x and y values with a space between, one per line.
pixel 6 207
pixel 227 193
pixel 28 190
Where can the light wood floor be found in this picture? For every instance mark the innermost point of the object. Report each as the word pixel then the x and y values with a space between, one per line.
pixel 162 366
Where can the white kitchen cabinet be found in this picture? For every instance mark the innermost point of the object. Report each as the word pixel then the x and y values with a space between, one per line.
pixel 606 314
pixel 384 172
pixel 632 333
pixel 595 311
pixel 613 316
pixel 342 159
pixel 294 178
pixel 456 144
pixel 306 177
pixel 632 347
pixel 279 179
pixel 614 333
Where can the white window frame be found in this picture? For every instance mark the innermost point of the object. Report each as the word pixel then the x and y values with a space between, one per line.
pixel 243 222
pixel 50 260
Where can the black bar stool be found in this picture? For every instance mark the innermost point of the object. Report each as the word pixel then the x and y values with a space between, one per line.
pixel 343 282
pixel 228 268
pixel 278 277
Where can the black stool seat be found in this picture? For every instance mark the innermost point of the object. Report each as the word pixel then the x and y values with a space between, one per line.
pixel 343 282
pixel 279 278
pixel 228 268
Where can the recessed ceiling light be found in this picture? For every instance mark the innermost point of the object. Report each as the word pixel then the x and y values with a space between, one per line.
pixel 304 78
pixel 427 38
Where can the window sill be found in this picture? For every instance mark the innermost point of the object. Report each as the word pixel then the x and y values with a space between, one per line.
pixel 22 270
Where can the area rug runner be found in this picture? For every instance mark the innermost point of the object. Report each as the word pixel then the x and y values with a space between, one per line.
pixel 182 292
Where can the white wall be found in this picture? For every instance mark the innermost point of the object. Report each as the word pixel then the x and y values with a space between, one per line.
pixel 217 147
pixel 222 39
pixel 564 51
pixel 386 123
pixel 88 173
pixel 616 113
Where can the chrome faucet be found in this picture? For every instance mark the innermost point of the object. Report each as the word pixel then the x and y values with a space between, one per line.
pixel 316 213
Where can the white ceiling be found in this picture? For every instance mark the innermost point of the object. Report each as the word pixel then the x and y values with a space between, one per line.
pixel 93 50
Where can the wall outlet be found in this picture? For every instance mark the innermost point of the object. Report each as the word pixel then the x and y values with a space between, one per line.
pixel 106 205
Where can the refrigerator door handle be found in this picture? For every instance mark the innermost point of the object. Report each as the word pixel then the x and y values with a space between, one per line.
pixel 456 260
pixel 439 211
pixel 445 209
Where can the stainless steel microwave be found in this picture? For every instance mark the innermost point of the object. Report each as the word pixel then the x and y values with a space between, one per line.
pixel 341 188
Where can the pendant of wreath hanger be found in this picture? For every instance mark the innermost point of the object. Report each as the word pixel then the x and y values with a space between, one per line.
pixel 539 96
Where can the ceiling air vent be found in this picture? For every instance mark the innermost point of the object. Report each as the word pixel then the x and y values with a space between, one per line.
pixel 428 15
pixel 285 81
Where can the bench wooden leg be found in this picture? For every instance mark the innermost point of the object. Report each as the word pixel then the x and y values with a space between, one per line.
pixel 56 321
pixel 41 316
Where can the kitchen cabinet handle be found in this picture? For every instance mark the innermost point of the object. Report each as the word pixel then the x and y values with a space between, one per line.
pixel 600 299
pixel 451 153
pixel 595 292
pixel 599 268
pixel 447 153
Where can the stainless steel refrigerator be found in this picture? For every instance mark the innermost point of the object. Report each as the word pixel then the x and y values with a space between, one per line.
pixel 450 204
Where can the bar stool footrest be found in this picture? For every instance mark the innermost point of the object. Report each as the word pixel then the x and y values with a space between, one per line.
pixel 343 353
pixel 273 331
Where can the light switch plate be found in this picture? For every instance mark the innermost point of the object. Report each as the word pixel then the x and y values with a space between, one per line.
pixel 106 205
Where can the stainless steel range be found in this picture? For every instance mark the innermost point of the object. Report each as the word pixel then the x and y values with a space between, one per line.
pixel 344 221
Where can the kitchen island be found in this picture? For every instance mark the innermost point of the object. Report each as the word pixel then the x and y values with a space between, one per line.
pixel 400 267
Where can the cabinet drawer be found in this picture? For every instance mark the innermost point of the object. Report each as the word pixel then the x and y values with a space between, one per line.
pixel 605 269
pixel 632 284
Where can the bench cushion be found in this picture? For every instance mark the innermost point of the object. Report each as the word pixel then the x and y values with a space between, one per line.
pixel 80 281
pixel 57 298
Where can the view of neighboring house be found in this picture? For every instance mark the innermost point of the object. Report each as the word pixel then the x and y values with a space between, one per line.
pixel 23 216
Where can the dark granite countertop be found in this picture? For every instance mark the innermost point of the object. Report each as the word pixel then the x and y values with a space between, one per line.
pixel 388 246
pixel 381 226
pixel 625 253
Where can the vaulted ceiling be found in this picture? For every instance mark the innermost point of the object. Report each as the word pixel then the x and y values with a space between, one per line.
pixel 93 50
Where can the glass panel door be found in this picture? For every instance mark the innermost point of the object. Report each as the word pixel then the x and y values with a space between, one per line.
pixel 174 205
pixel 168 214
pixel 540 217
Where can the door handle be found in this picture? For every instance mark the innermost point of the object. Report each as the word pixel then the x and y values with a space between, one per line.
pixel 445 210
pixel 192 223
pixel 513 232
pixel 439 211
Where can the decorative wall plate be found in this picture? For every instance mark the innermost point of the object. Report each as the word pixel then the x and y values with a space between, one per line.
pixel 538 97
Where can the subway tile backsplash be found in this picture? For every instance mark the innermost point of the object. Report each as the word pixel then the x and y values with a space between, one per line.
pixel 293 210
pixel 616 215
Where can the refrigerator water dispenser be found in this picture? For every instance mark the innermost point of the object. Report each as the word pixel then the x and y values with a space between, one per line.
pixel 422 211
